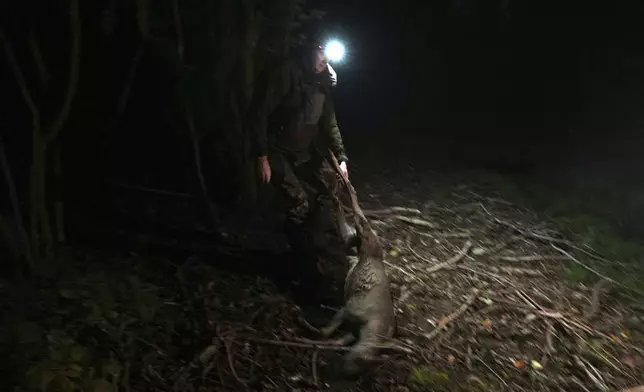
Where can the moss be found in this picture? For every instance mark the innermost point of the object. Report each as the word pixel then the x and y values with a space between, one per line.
pixel 428 376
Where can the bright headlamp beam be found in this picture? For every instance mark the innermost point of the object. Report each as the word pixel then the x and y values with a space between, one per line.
pixel 334 50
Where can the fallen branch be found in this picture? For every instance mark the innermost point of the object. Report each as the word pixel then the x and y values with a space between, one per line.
pixel 414 221
pixel 491 199
pixel 392 210
pixel 464 234
pixel 460 311
pixel 285 343
pixel 304 323
pixel 453 260
pixel 515 271
pixel 406 273
pixel 549 348
pixel 594 376
pixel 314 367
pixel 595 301
pixel 520 259
pixel 499 247
pixel 228 342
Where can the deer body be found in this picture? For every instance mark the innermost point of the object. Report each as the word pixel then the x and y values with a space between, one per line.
pixel 368 303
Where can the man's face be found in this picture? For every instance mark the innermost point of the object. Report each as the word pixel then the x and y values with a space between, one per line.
pixel 320 61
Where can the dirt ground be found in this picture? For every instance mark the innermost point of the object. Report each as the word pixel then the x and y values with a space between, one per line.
pixel 485 294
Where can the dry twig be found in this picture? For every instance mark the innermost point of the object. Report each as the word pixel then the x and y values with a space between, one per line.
pixel 314 367
pixel 452 260
pixel 414 221
pixel 520 259
pixel 595 301
pixel 392 210
pixel 594 376
pixel 329 347
pixel 459 312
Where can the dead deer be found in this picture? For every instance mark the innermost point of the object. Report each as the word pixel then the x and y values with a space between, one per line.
pixel 368 304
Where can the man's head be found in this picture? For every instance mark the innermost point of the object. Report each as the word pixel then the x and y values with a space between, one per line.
pixel 320 60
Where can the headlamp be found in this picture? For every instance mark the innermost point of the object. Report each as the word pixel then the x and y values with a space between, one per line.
pixel 334 50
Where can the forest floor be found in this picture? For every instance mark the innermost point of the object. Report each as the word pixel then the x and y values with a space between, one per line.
pixel 490 295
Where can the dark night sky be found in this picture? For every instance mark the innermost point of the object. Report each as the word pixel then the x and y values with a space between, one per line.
pixel 545 78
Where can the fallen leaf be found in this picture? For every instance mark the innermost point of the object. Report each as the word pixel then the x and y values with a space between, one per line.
pixel 487 323
pixel 518 364
pixel 530 317
pixel 393 252
pixel 451 358
pixel 486 301
pixel 536 365
pixel 478 251
pixel 442 321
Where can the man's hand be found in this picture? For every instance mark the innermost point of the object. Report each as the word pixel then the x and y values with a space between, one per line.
pixel 344 169
pixel 264 169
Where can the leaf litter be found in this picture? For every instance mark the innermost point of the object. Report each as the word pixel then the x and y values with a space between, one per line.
pixel 479 285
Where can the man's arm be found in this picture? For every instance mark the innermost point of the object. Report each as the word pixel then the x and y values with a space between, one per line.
pixel 331 131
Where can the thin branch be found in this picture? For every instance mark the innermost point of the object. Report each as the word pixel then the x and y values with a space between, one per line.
pixel 595 302
pixel 38 58
pixel 314 367
pixel 179 30
pixel 125 93
pixel 392 210
pixel 593 375
pixel 452 260
pixel 414 221
pixel 468 302
pixel 520 259
pixel 330 347
pixel 20 79
pixel 74 64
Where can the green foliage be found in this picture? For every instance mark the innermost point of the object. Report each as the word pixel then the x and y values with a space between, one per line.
pixel 585 217
pixel 428 376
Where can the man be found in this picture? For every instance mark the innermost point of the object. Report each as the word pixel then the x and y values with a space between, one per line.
pixel 291 153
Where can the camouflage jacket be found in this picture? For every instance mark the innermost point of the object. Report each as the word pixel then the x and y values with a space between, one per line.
pixel 294 111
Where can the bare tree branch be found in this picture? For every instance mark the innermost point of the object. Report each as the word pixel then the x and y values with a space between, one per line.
pixel 20 79
pixel 74 63
pixel 43 73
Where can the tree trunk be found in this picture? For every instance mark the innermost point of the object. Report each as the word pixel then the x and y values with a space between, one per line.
pixel 188 113
pixel 15 203
pixel 41 235
pixel 58 185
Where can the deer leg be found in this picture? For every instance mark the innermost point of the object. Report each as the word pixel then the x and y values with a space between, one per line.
pixel 334 324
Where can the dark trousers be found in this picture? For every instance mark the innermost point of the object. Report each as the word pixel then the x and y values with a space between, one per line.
pixel 308 189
